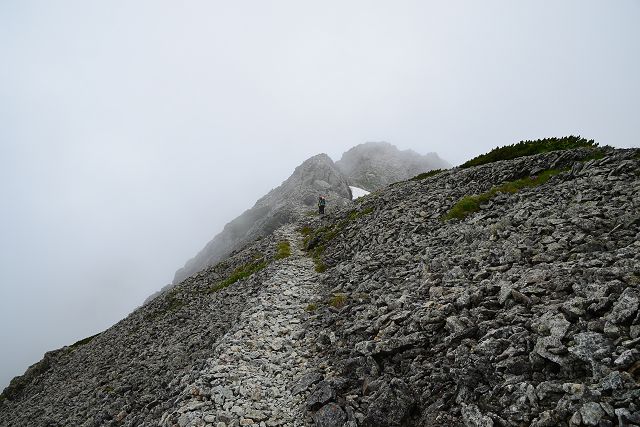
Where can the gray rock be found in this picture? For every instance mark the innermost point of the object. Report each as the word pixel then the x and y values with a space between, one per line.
pixel 472 417
pixel 591 346
pixel 306 381
pixel 390 405
pixel 321 394
pixel 330 415
pixel 627 358
pixel 591 413
pixel 625 308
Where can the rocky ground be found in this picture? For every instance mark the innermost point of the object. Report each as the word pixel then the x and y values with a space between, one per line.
pixel 523 313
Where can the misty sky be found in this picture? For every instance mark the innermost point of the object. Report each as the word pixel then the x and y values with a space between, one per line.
pixel 132 131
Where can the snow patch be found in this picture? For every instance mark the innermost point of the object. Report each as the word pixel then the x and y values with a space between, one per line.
pixel 357 192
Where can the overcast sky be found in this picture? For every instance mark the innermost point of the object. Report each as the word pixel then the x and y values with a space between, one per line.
pixel 132 131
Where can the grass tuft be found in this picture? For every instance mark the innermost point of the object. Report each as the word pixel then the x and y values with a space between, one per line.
pixel 311 307
pixel 338 301
pixel 320 266
pixel 284 250
pixel 470 204
pixel 355 214
pixel 239 273
pixel 306 230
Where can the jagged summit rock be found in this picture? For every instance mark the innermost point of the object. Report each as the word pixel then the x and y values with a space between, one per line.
pixel 291 201
pixel 374 165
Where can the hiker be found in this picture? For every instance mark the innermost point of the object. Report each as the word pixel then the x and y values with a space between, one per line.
pixel 322 202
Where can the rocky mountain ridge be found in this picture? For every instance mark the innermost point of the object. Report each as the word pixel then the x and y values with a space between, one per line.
pixel 368 166
pixel 525 312
pixel 290 202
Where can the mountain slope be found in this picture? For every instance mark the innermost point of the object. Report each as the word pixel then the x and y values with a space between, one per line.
pixel 525 312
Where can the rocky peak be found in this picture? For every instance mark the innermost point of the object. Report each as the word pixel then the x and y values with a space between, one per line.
pixel 316 175
pixel 374 165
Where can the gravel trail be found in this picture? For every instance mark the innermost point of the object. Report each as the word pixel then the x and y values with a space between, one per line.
pixel 249 378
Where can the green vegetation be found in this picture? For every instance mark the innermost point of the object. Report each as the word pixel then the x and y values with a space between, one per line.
pixel 239 273
pixel 470 204
pixel 528 148
pixel 355 214
pixel 173 303
pixel 427 174
pixel 284 250
pixel 83 341
pixel 306 230
pixel 311 307
pixel 338 300
pixel 321 267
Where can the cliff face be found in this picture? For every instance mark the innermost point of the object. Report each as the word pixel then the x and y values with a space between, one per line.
pixel 524 312
pixel 375 165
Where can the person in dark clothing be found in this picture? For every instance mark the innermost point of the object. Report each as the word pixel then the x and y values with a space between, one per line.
pixel 322 202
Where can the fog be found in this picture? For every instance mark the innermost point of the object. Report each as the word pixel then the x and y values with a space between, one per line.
pixel 132 131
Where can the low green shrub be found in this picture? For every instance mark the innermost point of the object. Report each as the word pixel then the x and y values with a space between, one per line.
pixel 427 174
pixel 311 307
pixel 470 204
pixel 83 341
pixel 529 148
